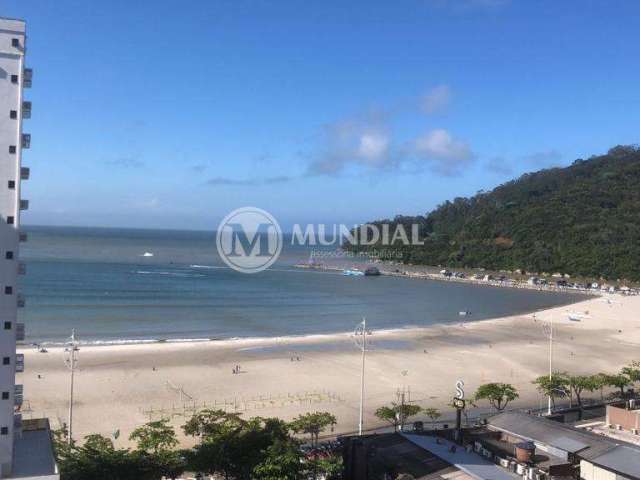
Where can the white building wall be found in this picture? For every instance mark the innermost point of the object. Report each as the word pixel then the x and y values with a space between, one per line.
pixel 12 50
pixel 589 471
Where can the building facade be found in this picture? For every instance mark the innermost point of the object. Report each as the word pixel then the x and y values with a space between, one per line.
pixel 14 78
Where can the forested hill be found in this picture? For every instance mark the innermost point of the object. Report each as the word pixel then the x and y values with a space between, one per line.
pixel 582 220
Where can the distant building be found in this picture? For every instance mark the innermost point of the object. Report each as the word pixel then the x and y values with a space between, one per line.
pixel 25 448
pixel 627 419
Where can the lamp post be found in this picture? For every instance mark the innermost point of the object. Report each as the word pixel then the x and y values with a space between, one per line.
pixel 547 327
pixel 72 348
pixel 360 334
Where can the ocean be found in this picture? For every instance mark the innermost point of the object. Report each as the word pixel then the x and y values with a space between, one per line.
pixel 99 282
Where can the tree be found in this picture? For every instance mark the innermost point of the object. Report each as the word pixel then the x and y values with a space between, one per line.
pixel 632 371
pixel 618 381
pixel 283 460
pixel 580 383
pixel 313 424
pixel 497 394
pixel 207 423
pixel 156 441
pixel 97 459
pixel 553 386
pixel 397 414
pixel 599 382
pixel 230 446
pixel 433 414
pixel 155 436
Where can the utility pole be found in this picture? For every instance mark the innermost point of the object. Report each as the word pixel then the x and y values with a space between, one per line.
pixel 361 331
pixel 71 350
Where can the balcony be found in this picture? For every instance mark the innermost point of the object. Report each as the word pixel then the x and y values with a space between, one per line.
pixel 20 301
pixel 18 389
pixel 20 332
pixel 24 173
pixel 27 78
pixel 26 140
pixel 24 204
pixel 26 109
pixel 22 268
pixel 23 237
pixel 19 364
pixel 18 400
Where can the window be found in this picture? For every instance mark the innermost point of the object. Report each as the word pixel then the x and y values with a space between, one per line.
pixel 10 220
pixel 8 290
pixel 6 360
pixel 5 395
pixel 9 255
pixel 12 149
pixel 13 114
pixel 4 431
pixel 11 184
pixel 15 42
pixel 14 78
pixel 7 325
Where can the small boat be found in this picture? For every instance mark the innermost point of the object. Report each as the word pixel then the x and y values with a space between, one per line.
pixel 352 272
pixel 147 254
pixel 577 316
pixel 464 313
pixel 372 272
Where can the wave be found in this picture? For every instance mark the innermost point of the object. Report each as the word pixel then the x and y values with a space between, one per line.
pixel 172 274
pixel 127 341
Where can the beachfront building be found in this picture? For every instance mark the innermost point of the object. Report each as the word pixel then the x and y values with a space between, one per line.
pixel 25 447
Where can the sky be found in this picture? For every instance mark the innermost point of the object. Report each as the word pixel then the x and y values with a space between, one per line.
pixel 170 114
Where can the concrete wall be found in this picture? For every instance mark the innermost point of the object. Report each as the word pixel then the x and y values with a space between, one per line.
pixel 588 471
pixel 11 63
pixel 629 419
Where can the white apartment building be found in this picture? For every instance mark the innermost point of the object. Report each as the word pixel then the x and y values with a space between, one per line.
pixel 25 447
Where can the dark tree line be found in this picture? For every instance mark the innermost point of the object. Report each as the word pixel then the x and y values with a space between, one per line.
pixel 582 220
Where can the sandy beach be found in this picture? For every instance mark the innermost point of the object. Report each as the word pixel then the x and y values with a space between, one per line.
pixel 121 387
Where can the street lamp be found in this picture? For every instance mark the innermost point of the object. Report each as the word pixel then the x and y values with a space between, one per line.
pixel 547 328
pixel 360 335
pixel 72 358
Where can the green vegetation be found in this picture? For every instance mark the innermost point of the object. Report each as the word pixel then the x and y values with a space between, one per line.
pixel 313 424
pixel 228 446
pixel 398 413
pixel 581 220
pixel 554 386
pixel 497 394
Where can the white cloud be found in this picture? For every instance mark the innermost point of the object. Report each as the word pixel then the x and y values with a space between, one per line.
pixel 373 146
pixel 446 154
pixel 362 141
pixel 437 99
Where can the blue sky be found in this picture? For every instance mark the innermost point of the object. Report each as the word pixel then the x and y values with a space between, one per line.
pixel 170 113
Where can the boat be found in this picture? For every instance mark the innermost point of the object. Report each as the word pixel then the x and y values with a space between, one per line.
pixel 372 272
pixel 352 272
pixel 147 254
pixel 464 313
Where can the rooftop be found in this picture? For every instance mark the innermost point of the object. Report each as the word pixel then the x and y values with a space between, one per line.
pixel 613 455
pixel 468 462
pixel 33 452
pixel 554 434
pixel 621 459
